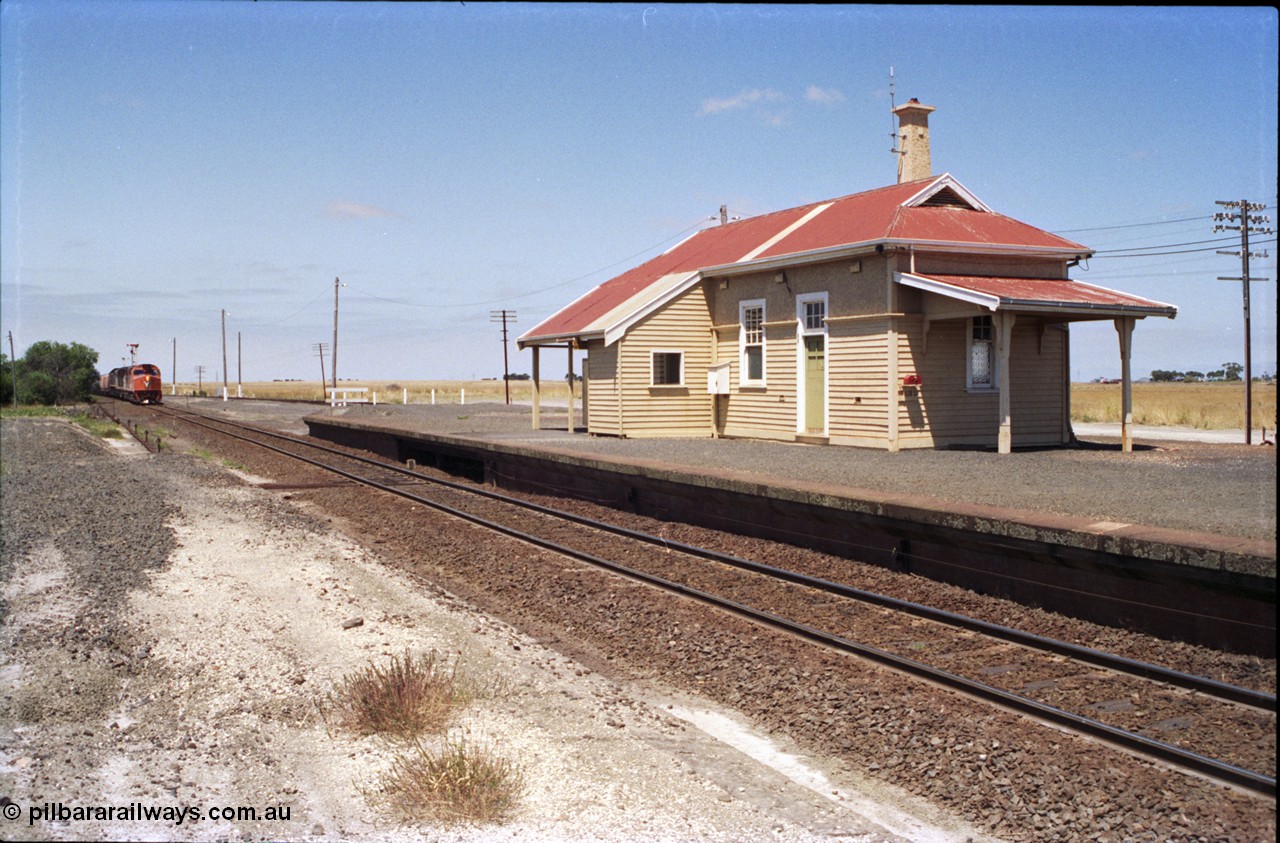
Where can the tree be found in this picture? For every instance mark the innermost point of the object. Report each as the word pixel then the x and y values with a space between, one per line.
pixel 54 373
pixel 6 381
pixel 1231 371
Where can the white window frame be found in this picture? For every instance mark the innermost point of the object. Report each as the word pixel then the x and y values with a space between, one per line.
pixel 653 369
pixel 969 326
pixel 744 378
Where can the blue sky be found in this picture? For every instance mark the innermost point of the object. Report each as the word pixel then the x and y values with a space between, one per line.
pixel 163 161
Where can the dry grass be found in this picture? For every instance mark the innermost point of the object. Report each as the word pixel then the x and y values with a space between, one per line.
pixel 407 697
pixel 414 696
pixel 1207 406
pixel 465 781
pixel 395 392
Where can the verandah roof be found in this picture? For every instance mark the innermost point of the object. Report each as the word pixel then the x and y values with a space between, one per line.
pixel 1063 297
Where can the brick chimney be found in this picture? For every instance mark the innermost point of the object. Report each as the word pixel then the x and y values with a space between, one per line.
pixel 913 141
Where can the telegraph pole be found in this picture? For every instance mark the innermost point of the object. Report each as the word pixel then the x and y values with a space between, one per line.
pixel 173 388
pixel 224 354
pixel 321 348
pixel 199 379
pixel 1247 223
pixel 336 285
pixel 504 316
pixel 13 361
pixel 239 372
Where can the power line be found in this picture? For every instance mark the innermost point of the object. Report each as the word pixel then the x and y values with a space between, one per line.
pixel 1159 254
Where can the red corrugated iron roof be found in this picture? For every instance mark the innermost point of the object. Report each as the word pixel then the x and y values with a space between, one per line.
pixel 724 244
pixel 1042 293
pixel 897 213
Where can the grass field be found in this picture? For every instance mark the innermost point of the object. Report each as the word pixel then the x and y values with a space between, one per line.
pixel 395 392
pixel 1207 406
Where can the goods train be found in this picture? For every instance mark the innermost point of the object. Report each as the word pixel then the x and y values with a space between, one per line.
pixel 139 383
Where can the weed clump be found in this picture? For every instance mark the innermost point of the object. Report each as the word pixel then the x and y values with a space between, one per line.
pixel 406 697
pixel 465 781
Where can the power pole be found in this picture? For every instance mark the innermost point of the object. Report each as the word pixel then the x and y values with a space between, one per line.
pixel 173 388
pixel 239 372
pixel 224 354
pixel 336 285
pixel 13 361
pixel 199 379
pixel 1247 223
pixel 504 316
pixel 321 348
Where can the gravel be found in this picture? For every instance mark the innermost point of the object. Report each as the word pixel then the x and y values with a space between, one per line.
pixel 1009 777
pixel 170 633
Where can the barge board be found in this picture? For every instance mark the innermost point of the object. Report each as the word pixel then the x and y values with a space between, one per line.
pixel 1207 589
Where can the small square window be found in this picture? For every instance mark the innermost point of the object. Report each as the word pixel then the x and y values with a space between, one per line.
pixel 668 368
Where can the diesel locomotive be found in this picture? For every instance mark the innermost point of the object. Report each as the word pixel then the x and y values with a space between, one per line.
pixel 139 383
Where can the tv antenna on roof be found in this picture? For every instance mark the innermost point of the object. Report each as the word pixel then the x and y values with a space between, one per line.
pixel 893 127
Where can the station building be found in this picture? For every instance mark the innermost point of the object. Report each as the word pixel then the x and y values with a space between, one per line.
pixel 909 316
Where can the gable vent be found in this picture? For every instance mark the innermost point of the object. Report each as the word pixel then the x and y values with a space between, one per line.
pixel 946 198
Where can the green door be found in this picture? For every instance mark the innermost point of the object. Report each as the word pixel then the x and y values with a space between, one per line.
pixel 815 382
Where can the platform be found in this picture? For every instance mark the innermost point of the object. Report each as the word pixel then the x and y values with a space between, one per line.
pixel 1081 552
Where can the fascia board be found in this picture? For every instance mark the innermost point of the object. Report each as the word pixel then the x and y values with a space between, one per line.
pixel 988 248
pixel 679 283
pixel 1085 309
pixel 929 285
pixel 557 339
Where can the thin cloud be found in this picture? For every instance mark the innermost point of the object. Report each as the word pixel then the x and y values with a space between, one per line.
pixel 356 211
pixel 745 99
pixel 823 96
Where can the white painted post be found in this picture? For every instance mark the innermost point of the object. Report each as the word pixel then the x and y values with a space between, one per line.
pixel 463 398
pixel 1124 327
pixel 405 399
pixel 433 396
pixel 571 420
pixel 537 391
pixel 1004 340
pixel 375 399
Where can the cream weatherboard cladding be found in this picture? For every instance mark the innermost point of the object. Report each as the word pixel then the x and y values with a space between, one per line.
pixel 683 325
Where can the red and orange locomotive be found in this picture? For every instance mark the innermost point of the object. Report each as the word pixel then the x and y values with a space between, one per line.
pixel 139 383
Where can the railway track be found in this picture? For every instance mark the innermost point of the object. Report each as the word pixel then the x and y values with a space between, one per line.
pixel 1199 724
